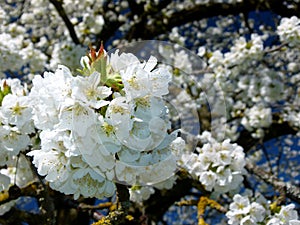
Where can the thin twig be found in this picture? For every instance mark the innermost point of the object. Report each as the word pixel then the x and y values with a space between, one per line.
pixel 104 205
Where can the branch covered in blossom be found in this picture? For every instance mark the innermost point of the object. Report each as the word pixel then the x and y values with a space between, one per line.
pixel 201 123
pixel 162 21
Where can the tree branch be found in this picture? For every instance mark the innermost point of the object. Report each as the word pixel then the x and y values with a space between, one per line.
pixel 201 11
pixel 274 131
pixel 292 191
pixel 139 29
pixel 61 11
pixel 109 28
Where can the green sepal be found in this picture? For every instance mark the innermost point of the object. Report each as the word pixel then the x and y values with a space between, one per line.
pixel 5 90
pixel 1 97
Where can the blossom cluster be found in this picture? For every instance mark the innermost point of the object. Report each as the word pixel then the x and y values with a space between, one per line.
pixel 109 125
pixel 16 56
pixel 16 128
pixel 29 46
pixel 15 116
pixel 257 118
pixel 219 166
pixel 289 30
pixel 256 210
pixel 249 97
pixel 241 52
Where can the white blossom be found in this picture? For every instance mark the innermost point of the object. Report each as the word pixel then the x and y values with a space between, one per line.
pixel 219 166
pixel 289 30
pixel 139 194
pixel 257 117
pixel 94 135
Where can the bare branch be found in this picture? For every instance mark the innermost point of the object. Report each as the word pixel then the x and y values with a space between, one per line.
pixel 104 205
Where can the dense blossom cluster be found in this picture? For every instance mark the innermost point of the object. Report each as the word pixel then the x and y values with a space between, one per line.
pixel 256 210
pixel 250 98
pixel 218 166
pixel 289 30
pixel 13 48
pixel 16 124
pixel 257 118
pixel 101 128
pixel 16 127
pixel 30 47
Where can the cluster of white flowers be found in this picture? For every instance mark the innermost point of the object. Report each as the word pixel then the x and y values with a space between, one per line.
pixel 256 210
pixel 15 128
pixel 15 117
pixel 16 56
pixel 241 54
pixel 292 116
pixel 243 49
pixel 257 118
pixel 232 81
pixel 218 166
pixel 289 30
pixel 243 211
pixel 37 40
pixel 91 23
pixel 110 125
pixel 286 216
pixel 139 194
pixel 176 37
pixel 249 97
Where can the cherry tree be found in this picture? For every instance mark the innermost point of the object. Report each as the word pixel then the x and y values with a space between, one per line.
pixel 149 112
